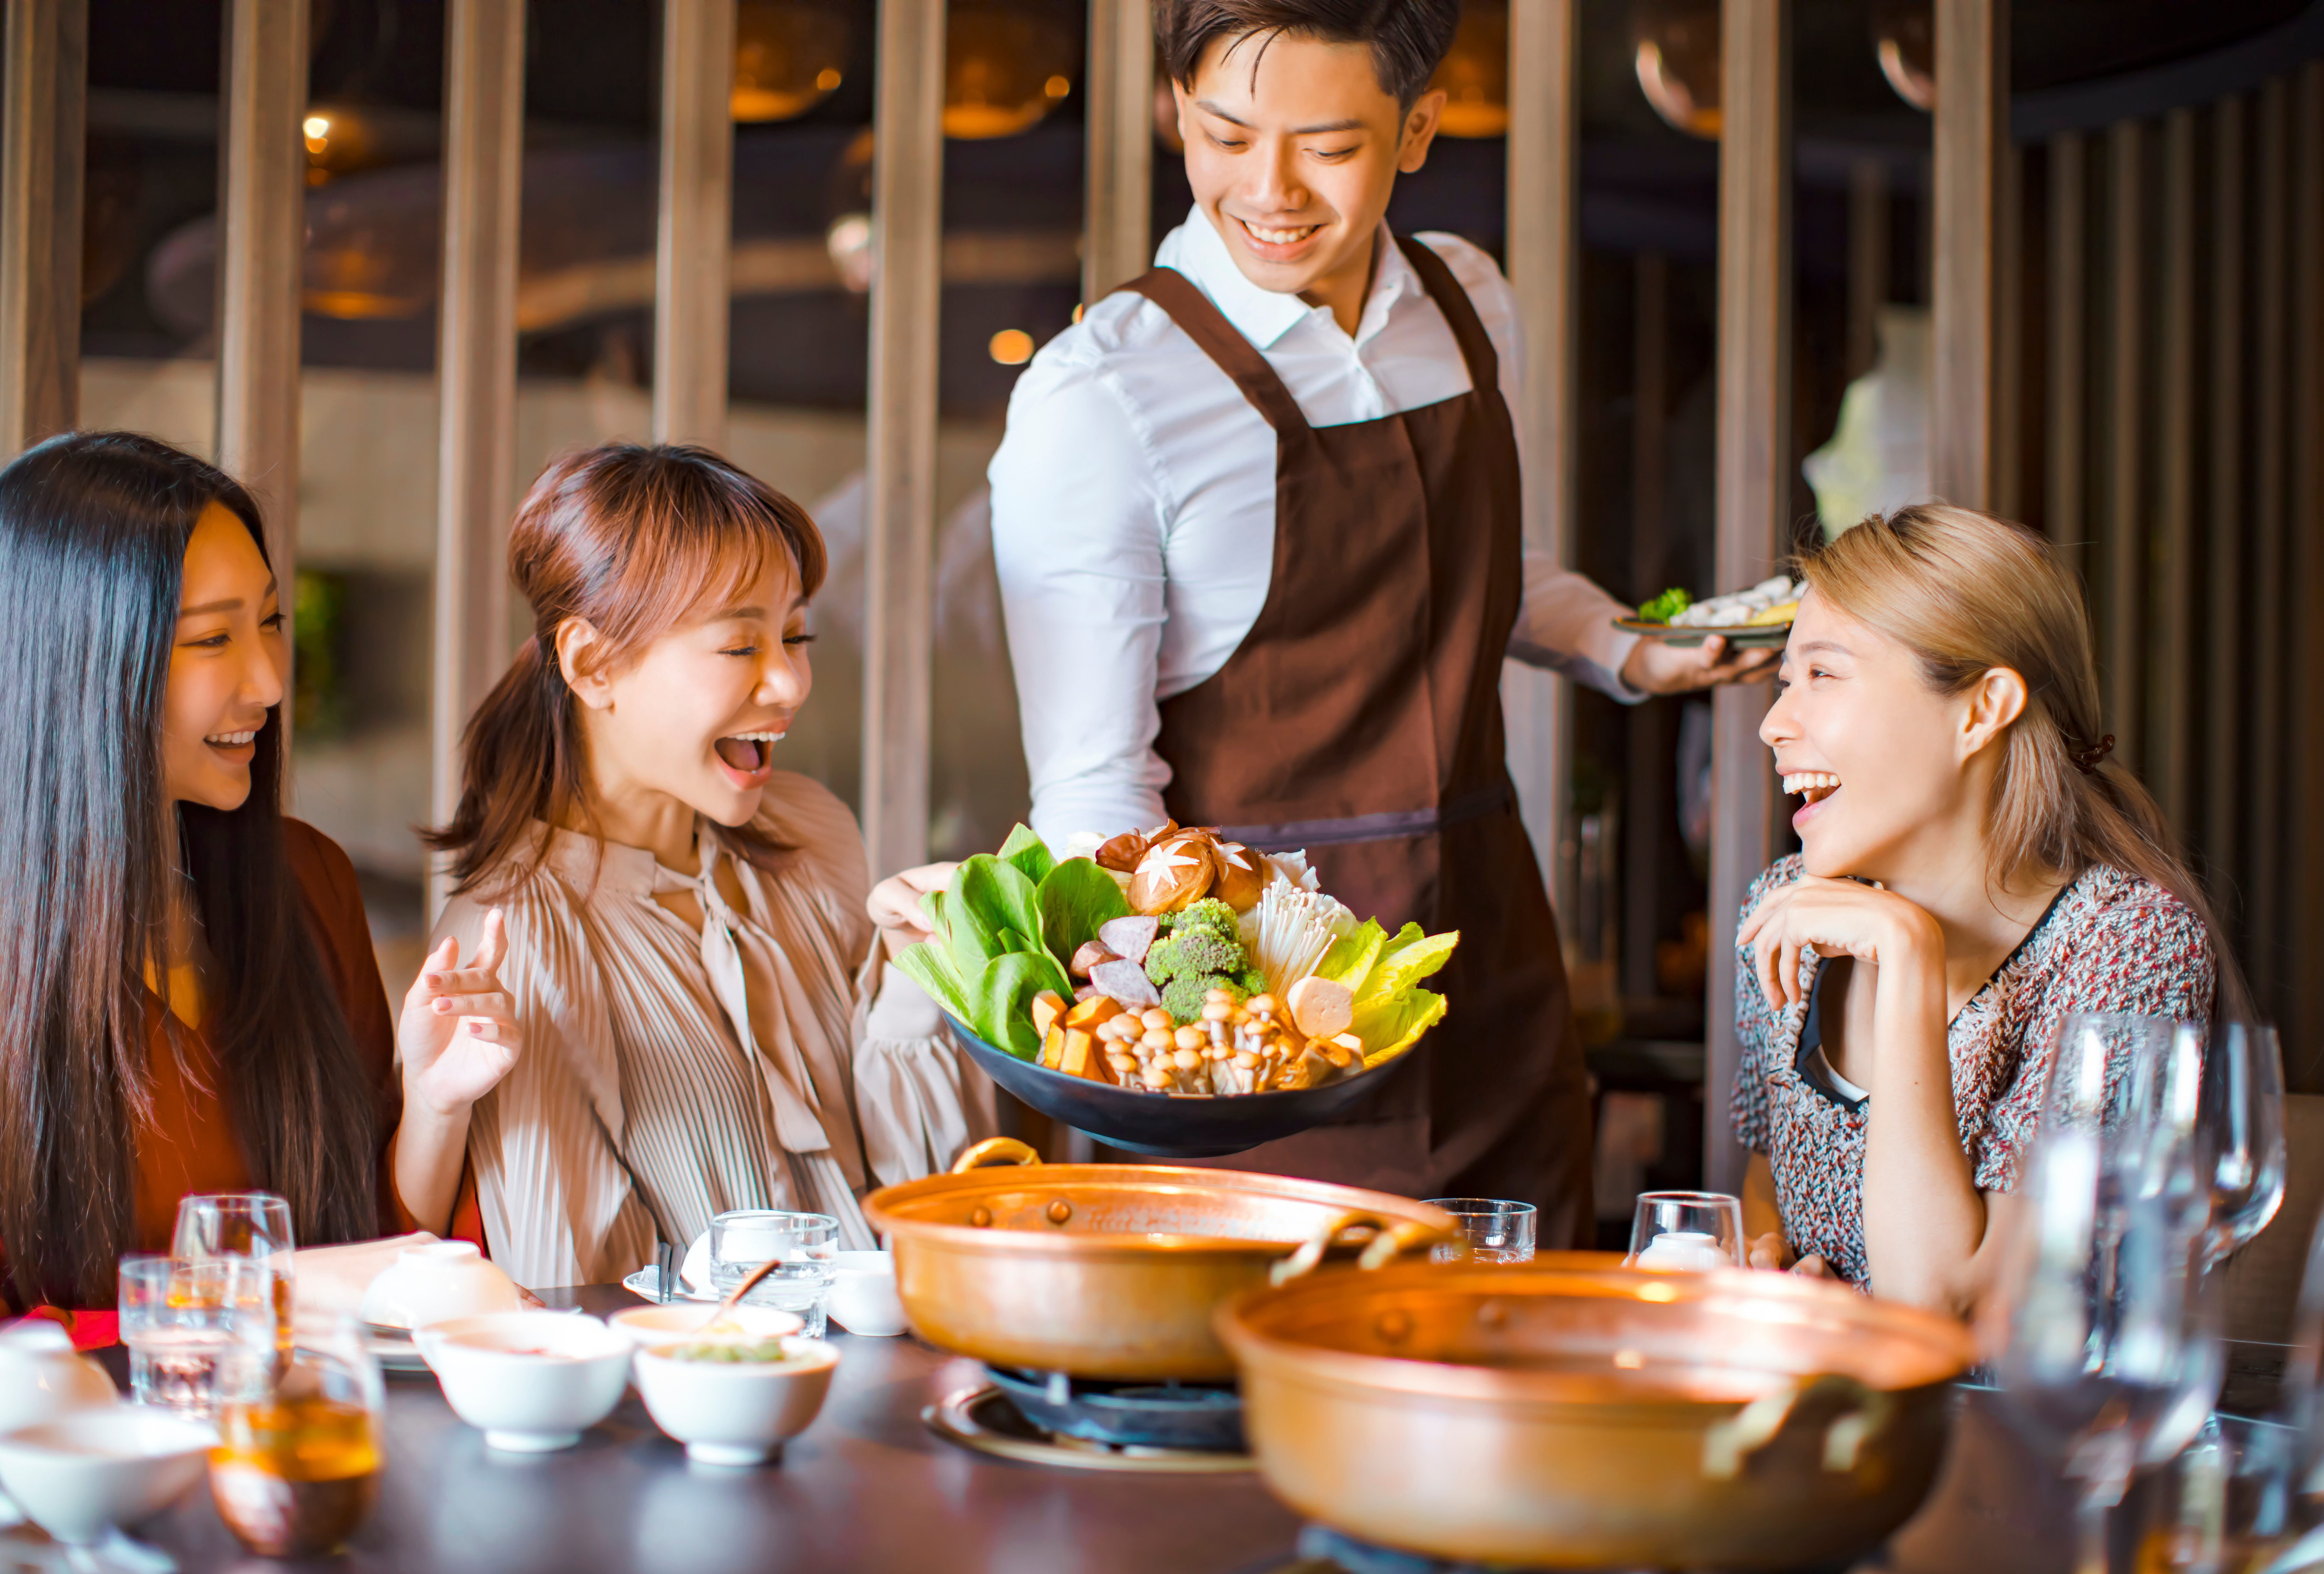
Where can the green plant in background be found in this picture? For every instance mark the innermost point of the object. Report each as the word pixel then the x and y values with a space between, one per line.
pixel 318 701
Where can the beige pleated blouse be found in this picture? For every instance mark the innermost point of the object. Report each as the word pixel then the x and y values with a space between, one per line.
pixel 769 1061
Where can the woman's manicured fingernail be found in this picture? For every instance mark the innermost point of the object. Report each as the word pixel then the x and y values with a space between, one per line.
pixel 442 1008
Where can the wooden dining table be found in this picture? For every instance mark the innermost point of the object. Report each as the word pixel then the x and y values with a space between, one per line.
pixel 870 1487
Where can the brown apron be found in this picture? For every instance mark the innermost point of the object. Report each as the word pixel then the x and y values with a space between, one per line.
pixel 1361 718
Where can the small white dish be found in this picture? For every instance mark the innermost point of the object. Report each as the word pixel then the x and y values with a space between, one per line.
pixel 734 1415
pixel 646 1284
pixel 80 1476
pixel 677 1323
pixel 437 1280
pixel 530 1381
pixel 864 1299
pixel 42 1377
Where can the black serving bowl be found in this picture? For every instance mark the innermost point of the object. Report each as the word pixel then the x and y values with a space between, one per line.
pixel 1164 1127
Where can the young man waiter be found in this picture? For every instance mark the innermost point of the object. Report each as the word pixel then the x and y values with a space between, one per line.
pixel 1257 529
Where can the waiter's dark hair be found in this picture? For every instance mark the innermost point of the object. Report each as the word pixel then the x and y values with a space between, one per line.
pixel 93 532
pixel 1407 38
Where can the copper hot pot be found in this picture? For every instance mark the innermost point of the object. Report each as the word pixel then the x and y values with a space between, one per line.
pixel 1571 1413
pixel 1114 1270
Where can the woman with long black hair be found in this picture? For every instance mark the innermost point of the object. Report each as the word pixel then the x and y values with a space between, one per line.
pixel 189 999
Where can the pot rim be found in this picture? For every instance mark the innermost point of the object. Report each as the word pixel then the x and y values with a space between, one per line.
pixel 1407 1377
pixel 881 1209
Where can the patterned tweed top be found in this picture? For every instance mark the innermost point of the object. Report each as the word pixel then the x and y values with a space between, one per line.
pixel 2112 942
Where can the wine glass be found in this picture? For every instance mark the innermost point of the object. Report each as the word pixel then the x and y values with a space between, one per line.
pixel 2113 1349
pixel 2241 1116
pixel 251 1227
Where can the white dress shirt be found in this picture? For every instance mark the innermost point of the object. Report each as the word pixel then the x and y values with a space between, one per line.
pixel 1133 507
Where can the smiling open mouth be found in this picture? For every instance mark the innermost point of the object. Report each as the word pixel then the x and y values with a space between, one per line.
pixel 1290 236
pixel 748 752
pixel 1815 786
pixel 230 740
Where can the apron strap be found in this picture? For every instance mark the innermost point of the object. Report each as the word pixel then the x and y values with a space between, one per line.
pixel 1460 314
pixel 1217 338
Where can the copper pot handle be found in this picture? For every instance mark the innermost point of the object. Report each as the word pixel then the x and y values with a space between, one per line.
pixel 996 1151
pixel 1388 1241
pixel 1726 1445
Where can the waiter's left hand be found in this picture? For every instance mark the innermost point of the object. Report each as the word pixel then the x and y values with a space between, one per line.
pixel 1655 668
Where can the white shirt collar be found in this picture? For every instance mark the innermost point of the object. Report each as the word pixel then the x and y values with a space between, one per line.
pixel 1197 249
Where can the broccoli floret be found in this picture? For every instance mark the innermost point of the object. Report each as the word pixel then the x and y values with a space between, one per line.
pixel 1183 996
pixel 1666 606
pixel 1192 952
pixel 1210 914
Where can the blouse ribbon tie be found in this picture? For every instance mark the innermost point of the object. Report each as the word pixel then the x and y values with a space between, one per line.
pixel 789 1086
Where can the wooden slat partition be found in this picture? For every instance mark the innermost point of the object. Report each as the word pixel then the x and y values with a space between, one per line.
pixel 2124 549
pixel 475 370
pixel 1117 215
pixel 2268 557
pixel 1650 801
pixel 2008 495
pixel 1544 271
pixel 1868 260
pixel 2066 472
pixel 2306 655
pixel 46 115
pixel 695 241
pixel 2223 521
pixel 1753 484
pixel 2170 702
pixel 899 523
pixel 261 234
pixel 1971 138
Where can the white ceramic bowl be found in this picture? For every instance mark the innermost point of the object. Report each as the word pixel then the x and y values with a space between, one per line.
pixel 81 1475
pixel 530 1381
pixel 678 1321
pixel 864 1299
pixel 732 1413
pixel 437 1281
pixel 40 1377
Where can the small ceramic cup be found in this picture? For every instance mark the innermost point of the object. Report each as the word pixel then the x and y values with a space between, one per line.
pixel 532 1382
pixel 647 1325
pixel 864 1299
pixel 736 1413
pixel 437 1281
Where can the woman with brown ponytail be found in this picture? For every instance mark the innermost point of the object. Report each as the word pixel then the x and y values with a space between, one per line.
pixel 709 1022
pixel 188 1000
pixel 1973 868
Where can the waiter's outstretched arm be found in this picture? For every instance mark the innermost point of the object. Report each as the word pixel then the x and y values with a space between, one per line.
pixel 1567 624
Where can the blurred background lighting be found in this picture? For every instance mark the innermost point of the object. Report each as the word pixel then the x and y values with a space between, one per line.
pixel 1675 45
pixel 1011 347
pixel 1475 72
pixel 1903 37
pixel 1007 64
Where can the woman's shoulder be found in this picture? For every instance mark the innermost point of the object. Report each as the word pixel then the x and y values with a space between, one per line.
pixel 2105 903
pixel 2119 942
pixel 804 814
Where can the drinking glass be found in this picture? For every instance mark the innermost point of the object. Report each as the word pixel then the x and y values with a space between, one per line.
pixel 806 1244
pixel 296 1465
pixel 251 1225
pixel 2112 1352
pixel 2240 1112
pixel 199 1332
pixel 1686 1232
pixel 1494 1231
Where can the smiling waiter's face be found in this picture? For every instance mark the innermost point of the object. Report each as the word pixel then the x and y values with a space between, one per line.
pixel 1293 148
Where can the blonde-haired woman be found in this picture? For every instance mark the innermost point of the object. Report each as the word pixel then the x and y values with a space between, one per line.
pixel 1973 868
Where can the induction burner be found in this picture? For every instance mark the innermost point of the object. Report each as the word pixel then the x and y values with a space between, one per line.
pixel 1075 1423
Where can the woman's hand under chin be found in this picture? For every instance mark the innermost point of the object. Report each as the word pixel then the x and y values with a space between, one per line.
pixel 1838 917
pixel 458 1033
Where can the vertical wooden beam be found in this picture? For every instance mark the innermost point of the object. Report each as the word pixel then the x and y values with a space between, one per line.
pixel 1645 826
pixel 1754 485
pixel 2009 497
pixel 475 372
pixel 2123 606
pixel 2228 622
pixel 2170 695
pixel 41 152
pixel 695 241
pixel 2066 504
pixel 2306 659
pixel 2269 650
pixel 899 534
pixel 1544 263
pixel 1868 260
pixel 1117 196
pixel 1972 139
pixel 262 239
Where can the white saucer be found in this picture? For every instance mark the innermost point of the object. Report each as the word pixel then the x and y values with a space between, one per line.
pixel 646 1284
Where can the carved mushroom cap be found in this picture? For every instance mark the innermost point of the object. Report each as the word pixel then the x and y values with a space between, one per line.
pixel 1243 875
pixel 1174 872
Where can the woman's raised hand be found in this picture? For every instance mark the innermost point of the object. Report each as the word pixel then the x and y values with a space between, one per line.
pixel 1838 917
pixel 459 1034
pixel 895 903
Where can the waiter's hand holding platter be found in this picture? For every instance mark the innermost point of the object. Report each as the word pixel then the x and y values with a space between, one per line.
pixel 1259 526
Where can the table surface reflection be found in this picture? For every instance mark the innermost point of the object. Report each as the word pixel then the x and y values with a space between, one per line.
pixel 868 1487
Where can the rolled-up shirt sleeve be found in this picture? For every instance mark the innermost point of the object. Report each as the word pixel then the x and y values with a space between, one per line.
pixel 1077 521
pixel 1567 624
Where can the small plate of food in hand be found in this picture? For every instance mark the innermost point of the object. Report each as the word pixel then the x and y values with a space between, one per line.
pixel 1759 618
pixel 1171 992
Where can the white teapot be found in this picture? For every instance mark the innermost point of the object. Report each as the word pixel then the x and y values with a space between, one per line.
pixel 42 1377
pixel 436 1282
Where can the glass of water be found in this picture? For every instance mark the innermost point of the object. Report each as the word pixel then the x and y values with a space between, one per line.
pixel 252 1226
pixel 200 1332
pixel 1491 1230
pixel 805 1244
pixel 1686 1232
